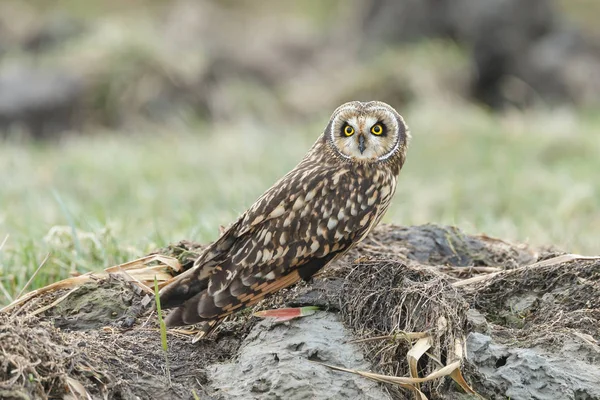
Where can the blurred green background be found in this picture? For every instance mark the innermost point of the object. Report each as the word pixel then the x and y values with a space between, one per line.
pixel 126 126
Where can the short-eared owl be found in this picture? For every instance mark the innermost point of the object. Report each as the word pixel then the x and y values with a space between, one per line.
pixel 329 202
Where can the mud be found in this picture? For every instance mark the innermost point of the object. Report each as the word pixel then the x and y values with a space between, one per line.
pixel 277 361
pixel 535 373
pixel 532 330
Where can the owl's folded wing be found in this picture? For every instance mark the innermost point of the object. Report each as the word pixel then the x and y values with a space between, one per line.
pixel 308 218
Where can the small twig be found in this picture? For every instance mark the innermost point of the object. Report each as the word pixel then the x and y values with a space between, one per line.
pixel 404 335
pixel 478 269
pixel 34 275
pixel 148 319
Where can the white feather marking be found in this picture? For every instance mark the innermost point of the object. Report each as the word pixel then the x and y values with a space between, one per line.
pixel 267 254
pixel 278 211
pixel 314 246
pixel 371 200
pixel 305 212
pixel 364 221
pixel 332 223
pixel 278 253
pixel 337 175
pixel 258 256
pixel 289 219
pixel 385 191
pixel 310 195
pixel 267 238
pixel 298 203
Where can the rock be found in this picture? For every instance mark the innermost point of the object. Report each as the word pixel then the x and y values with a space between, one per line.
pixel 55 30
pixel 432 244
pixel 275 361
pixel 534 373
pixel 45 102
pixel 477 320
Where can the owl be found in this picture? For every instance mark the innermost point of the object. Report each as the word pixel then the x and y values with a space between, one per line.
pixel 312 216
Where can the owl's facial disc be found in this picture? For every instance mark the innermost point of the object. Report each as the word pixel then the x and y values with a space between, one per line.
pixel 366 132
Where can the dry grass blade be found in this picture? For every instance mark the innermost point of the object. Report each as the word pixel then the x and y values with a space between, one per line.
pixel 2 288
pixel 3 242
pixel 77 389
pixel 593 343
pixel 34 275
pixel 405 382
pixel 445 371
pixel 5 293
pixel 208 325
pixel 171 262
pixel 552 261
pixel 456 375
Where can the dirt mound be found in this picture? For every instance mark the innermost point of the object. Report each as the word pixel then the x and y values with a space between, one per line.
pixel 400 287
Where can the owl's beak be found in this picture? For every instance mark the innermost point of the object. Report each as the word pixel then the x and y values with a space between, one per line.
pixel 361 143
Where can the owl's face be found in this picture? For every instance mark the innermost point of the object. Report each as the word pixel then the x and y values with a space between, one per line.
pixel 366 132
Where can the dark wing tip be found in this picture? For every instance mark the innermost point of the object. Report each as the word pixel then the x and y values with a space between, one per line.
pixel 175 318
pixel 186 314
pixel 199 308
pixel 174 294
pixel 186 286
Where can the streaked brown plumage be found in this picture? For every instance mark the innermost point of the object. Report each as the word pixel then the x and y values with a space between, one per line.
pixel 329 202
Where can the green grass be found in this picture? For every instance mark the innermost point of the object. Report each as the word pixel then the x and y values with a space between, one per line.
pixel 163 331
pixel 98 200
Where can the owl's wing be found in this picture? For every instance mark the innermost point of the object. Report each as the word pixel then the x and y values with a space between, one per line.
pixel 309 217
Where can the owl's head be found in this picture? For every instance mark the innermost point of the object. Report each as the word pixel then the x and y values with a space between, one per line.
pixel 367 132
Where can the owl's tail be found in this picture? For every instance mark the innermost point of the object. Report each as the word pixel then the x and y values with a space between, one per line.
pixel 203 328
pixel 189 294
pixel 183 288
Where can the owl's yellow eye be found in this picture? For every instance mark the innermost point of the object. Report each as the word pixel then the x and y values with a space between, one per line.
pixel 377 129
pixel 348 130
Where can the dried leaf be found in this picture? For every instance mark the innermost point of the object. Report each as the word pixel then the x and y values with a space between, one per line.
pixel 415 353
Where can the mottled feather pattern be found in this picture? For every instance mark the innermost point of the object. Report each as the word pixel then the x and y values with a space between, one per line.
pixel 311 216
